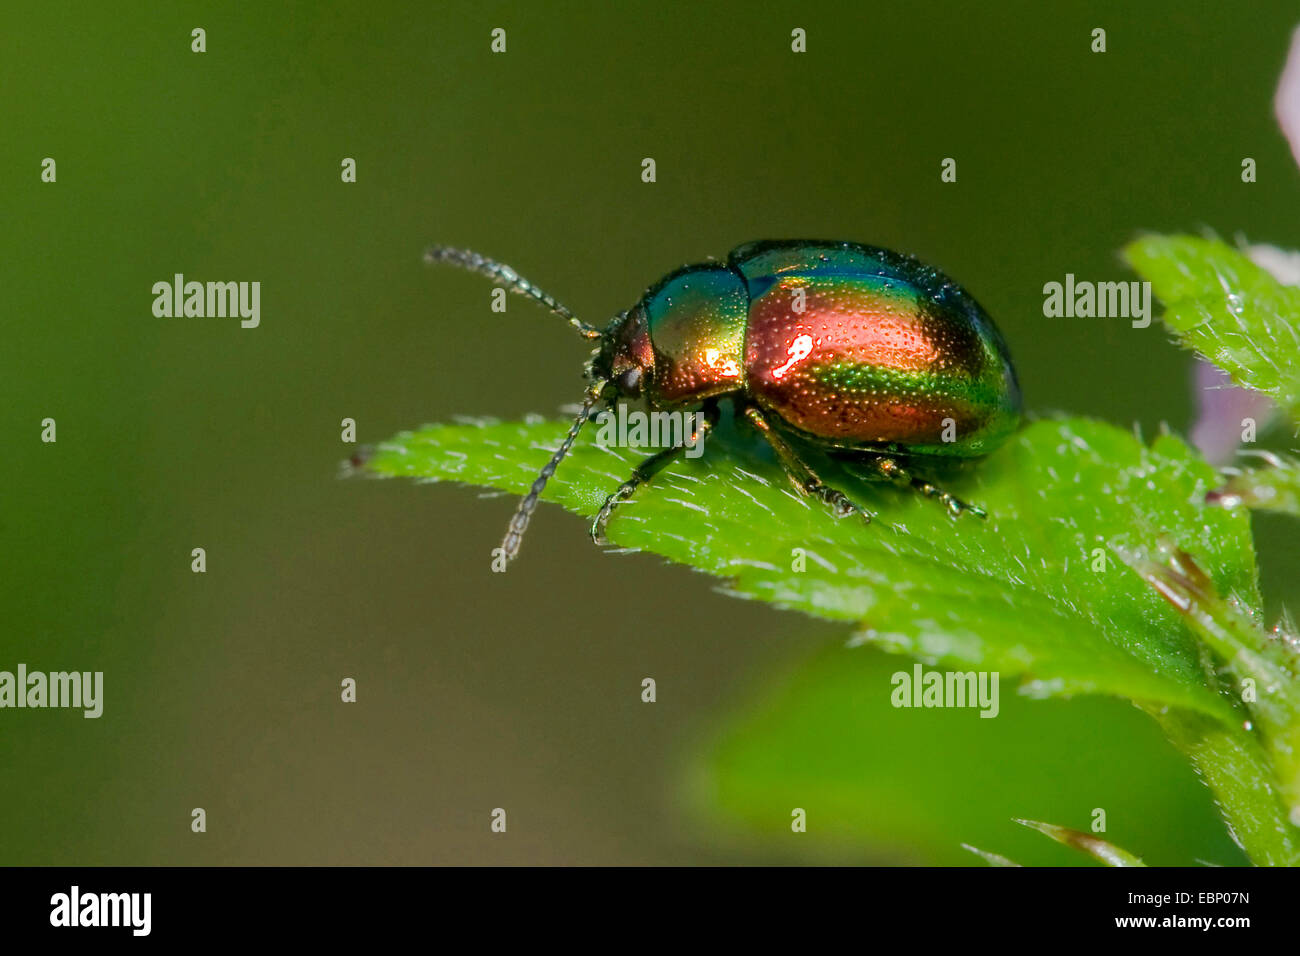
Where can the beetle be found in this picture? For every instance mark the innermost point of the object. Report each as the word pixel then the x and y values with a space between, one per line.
pixel 854 349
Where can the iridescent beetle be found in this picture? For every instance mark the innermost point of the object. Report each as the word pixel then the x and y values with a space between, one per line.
pixel 851 348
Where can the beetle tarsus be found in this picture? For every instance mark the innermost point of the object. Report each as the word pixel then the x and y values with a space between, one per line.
pixel 624 492
pixel 805 480
pixel 841 506
pixel 648 469
pixel 893 471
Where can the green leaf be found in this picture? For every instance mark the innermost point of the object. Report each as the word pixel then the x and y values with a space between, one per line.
pixel 1266 667
pixel 1233 762
pixel 1036 590
pixel 1229 309
pixel 884 783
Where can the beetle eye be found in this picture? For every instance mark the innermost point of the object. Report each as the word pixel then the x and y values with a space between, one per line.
pixel 629 382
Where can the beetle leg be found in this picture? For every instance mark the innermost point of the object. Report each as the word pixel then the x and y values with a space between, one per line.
pixel 893 471
pixel 804 479
pixel 647 470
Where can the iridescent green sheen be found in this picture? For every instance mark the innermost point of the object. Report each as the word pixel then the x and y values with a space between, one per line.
pixel 696 318
pixel 848 346
pixel 857 347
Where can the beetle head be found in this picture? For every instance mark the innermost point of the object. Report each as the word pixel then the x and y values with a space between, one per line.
pixel 626 359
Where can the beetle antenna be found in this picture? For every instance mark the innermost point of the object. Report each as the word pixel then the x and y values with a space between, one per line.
pixel 524 513
pixel 504 276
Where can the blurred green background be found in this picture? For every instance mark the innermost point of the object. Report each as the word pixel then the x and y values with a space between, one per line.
pixel 522 691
